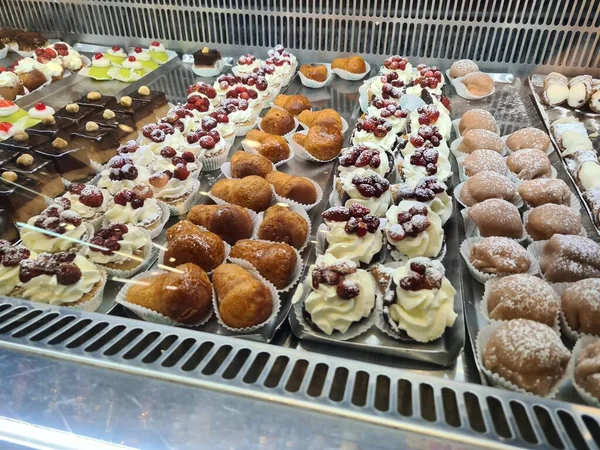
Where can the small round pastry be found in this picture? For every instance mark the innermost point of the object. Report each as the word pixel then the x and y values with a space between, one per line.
pixel 294 104
pixel 580 303
pixel 587 369
pixel 462 67
pixel 545 190
pixel 499 256
pixel 485 185
pixel 570 258
pixel 477 119
pixel 497 217
pixel 528 138
pixel 183 227
pixel 314 72
pixel 366 155
pixel 529 164
pixel 429 191
pixel 274 148
pixel 230 222
pixel 298 189
pixel 203 248
pixel 280 224
pixel 250 192
pixel 528 354
pixel 244 164
pixel 481 139
pixel 352 64
pixel 547 220
pixel 522 296
pixel 322 142
pixel 278 121
pixel 484 160
pixel 478 83
pixel 327 117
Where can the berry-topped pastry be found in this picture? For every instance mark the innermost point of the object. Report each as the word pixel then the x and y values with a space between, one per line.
pixel 205 90
pixel 246 64
pixel 69 57
pixel 352 233
pixel 245 93
pixel 430 115
pixel 10 112
pixel 180 118
pixel 341 294
pixel 207 145
pixel 375 130
pixel 121 173
pixel 414 230
pixel 158 53
pixel 40 111
pixel 426 136
pixel 260 84
pixel 119 247
pixel 143 56
pixel 225 127
pixel 10 85
pixel 169 158
pixel 64 224
pixel 116 55
pixel 87 200
pixel 135 206
pixel 100 67
pixel 429 191
pixel 131 70
pixel 199 104
pixel 365 187
pixel 31 73
pixel 10 258
pixel 241 114
pixel 423 162
pixel 141 155
pixel 368 156
pixel 176 188
pixel 399 65
pixel 428 78
pixel 388 86
pixel 268 72
pixel 419 303
pixel 225 83
pixel 390 111
pixel 279 51
pixel 7 130
pixel 63 279
pixel 158 136
pixel 283 67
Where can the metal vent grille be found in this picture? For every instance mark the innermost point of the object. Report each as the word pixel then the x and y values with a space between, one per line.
pixel 381 395
pixel 560 34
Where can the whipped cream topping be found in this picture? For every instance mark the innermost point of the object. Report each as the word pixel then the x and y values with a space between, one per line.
pixel 27 65
pixel 101 62
pixel 131 242
pixel 143 156
pixel 414 173
pixel 248 68
pixel 72 60
pixel 377 205
pixel 8 79
pixel 161 164
pixel 240 116
pixel 423 314
pixel 149 213
pixel 350 245
pixel 589 175
pixel 331 313
pixel 47 289
pixel 118 53
pixel 52 69
pixel 405 75
pixel 218 149
pixel 174 189
pixel 9 278
pixel 114 186
pixel 387 142
pixel 442 149
pixel 35 113
pixel 443 123
pixel 398 123
pixel 40 242
pixel 226 129
pixel 135 65
pixel 8 110
pixel 142 55
pixel 157 48
pixel 88 212
pixel 417 89
pixel 174 140
pixel 383 168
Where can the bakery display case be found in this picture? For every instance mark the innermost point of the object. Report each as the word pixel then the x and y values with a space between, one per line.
pixel 299 224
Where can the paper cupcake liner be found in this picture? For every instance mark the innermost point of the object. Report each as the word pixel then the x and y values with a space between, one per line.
pixel 150 315
pixel 302 153
pixel 165 213
pixel 250 149
pixel 289 201
pixel 463 92
pixel 496 380
pixel 322 244
pixel 458 154
pixel 298 210
pixel 149 254
pixel 471 229
pixel 363 96
pixel 344 125
pixel 483 306
pixel 548 149
pixel 581 344
pixel 345 75
pixel 94 303
pixel 316 84
pixel 226 169
pixel 456 124
pixel 242 130
pixel 209 72
pixel 274 295
pixel 465 251
pixel 210 163
pixel 516 200
pixel 355 330
pixel 530 239
pixel 4 52
pixel 179 208
pixel 287 135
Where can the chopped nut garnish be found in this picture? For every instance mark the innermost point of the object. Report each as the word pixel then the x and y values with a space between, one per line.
pixel 108 114
pixel 25 160
pixel 126 101
pixel 205 50
pixel 9 176
pixel 59 143
pixel 91 126
pixel 72 108
pixel 49 120
pixel 93 96
pixel 20 136
pixel 144 90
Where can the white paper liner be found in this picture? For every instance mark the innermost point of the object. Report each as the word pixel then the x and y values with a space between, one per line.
pixel 316 84
pixel 165 213
pixel 209 72
pixel 180 208
pixel 345 75
pixel 242 130
pixel 548 150
pixel 96 166
pixel 94 303
pixel 471 229
pixel 569 332
pixel 274 295
pixel 289 201
pixel 210 163
pixel 355 330
pixel 4 52
pixel 363 96
pixel 496 380
pixel 148 252
pixel 344 125
pixel 250 149
pixel 575 203
pixel 581 344
pixel 516 200
pixel 481 277
pixel 298 210
pixel 302 153
pixel 463 92
pixel 286 135
pixel 526 214
pixel 153 316
pixel 161 253
pixel 483 305
pixel 458 154
pixel 456 124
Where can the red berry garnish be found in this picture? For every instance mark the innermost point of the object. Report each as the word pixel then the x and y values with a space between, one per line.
pixel 40 106
pixel 168 152
pixel 181 172
pixel 98 56
pixel 131 59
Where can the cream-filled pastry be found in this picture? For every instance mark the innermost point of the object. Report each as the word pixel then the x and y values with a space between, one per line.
pixel 368 156
pixel 10 259
pixel 366 188
pixel 429 191
pixel 430 115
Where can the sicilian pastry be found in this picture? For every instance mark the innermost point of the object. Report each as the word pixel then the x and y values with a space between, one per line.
pixel 244 164
pixel 588 174
pixel 158 53
pixel 280 224
pixel 479 140
pixel 322 142
pixel 427 78
pixel 463 67
pixel 247 94
pixel 274 148
pixel 478 83
pixel 168 159
pixel 240 113
pixel 399 65
pixel 206 58
pixel 175 187
pixel 31 73
pixel 315 72
pixel 419 303
pixel 431 192
pixel 247 63
pixel 366 155
pixel 191 244
pixel 390 111
pixel 482 161
pixel 353 64
pixel 594 101
pixel 485 185
pixel 556 89
pixel 250 192
pixel 225 127
pixel 425 136
pixel 294 104
pixel 87 200
pixel 10 86
pixel 10 259
pixel 528 138
pixel 299 189
pixel 340 294
pixel 278 121
pixel 120 173
pixel 477 119
pixel 544 191
pixel 580 91
pixel 365 187
pixel 586 369
pixel 580 303
pixel 118 247
pixel 230 222
pixel 499 256
pixel 327 117
pixel 497 217
pixel 259 83
pixel 570 258
pixel 430 115
pixel 547 220
pixel 529 164
pixel 426 161
pixel 375 130
pixel 389 86
pixel 352 233
pixel 144 57
pixel 136 206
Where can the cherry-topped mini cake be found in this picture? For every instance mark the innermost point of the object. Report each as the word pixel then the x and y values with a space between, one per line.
pixel 158 53
pixel 245 93
pixel 268 72
pixel 399 65
pixel 425 136
pixel 431 192
pixel 419 303
pixel 135 206
pixel 284 67
pixel 225 83
pixel 389 86
pixel 47 232
pixel 176 188
pixel 10 258
pixel 199 104
pixel 430 115
pixel 375 130
pixel 204 90
pixel 365 187
pixel 366 155
pixel 279 50
pixel 116 55
pixel 159 136
pixel 241 114
pixel 428 78
pixel 352 233
pixel 169 158
pixel 390 111
pixel 180 118
pixel 211 148
pixel 258 82
pixel 426 161
pixel 143 56
pixel 87 200
pixel 141 155
pixel 121 173
pixel 246 64
pixel 225 127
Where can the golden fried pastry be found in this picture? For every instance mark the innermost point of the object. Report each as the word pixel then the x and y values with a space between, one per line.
pixel 529 164
pixel 587 369
pixel 485 185
pixel 477 119
pixel 326 117
pixel 570 258
pixel 528 138
pixel 230 222
pixel 280 224
pixel 545 190
pixel 250 192
pixel 275 261
pixel 322 142
pixel 500 256
pixel 478 83
pixel 299 189
pixel 497 217
pixel 314 72
pixel 352 64
pixel 480 139
pixel 183 295
pixel 183 227
pixel 243 300
pixel 294 104
pixel 581 306
pixel 203 248
pixel 547 220
pixel 274 148
pixel 484 160
pixel 244 164
pixel 278 121
pixel 462 67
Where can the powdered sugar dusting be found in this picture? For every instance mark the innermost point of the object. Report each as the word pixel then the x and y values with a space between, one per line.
pixel 529 163
pixel 522 294
pixel 484 160
pixel 570 258
pixel 586 292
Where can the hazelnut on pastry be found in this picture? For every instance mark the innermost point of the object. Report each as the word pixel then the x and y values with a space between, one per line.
pixel 274 148
pixel 322 142
pixel 477 119
pixel 462 67
pixel 244 164
pixel 203 248
pixel 529 163
pixel 497 217
pixel 352 64
pixel 244 301
pixel 230 222
pixel 478 83
pixel 484 160
pixel 251 192
pixel 278 121
pixel 528 138
pixel 327 117
pixel 547 220
pixel 298 189
pixel 567 258
pixel 485 185
pixel 294 104
pixel 280 224
pixel 545 190
pixel 314 72
pixel 480 139
pixel 499 255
